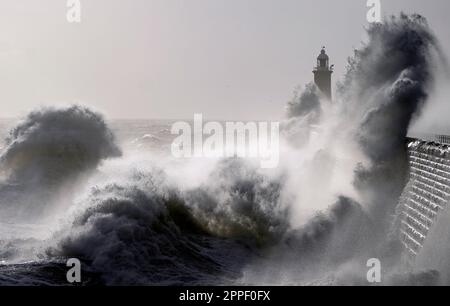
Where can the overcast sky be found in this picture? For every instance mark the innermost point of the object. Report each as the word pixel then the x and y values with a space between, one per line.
pixel 227 59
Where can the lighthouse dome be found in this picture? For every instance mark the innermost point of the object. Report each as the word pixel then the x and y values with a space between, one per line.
pixel 322 55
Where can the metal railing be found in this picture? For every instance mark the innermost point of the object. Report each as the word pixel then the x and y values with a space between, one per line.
pixel 445 139
pixel 442 139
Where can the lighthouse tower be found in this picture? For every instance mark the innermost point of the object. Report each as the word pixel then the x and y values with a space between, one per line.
pixel 322 73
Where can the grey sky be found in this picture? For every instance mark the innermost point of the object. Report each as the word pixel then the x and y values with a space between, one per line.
pixel 227 59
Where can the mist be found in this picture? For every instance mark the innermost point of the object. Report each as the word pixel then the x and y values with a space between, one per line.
pixel 141 218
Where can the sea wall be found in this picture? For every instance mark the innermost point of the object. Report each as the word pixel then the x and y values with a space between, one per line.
pixel 423 204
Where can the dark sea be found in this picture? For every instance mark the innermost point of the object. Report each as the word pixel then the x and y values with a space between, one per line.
pixel 140 218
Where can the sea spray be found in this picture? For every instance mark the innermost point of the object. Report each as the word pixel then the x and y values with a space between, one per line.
pixel 387 81
pixel 49 153
pixel 144 230
pixel 247 226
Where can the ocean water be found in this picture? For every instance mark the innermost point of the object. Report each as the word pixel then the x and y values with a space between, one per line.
pixel 142 217
pixel 110 194
pixel 137 233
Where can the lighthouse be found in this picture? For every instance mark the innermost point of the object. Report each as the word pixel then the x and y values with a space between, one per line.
pixel 322 74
